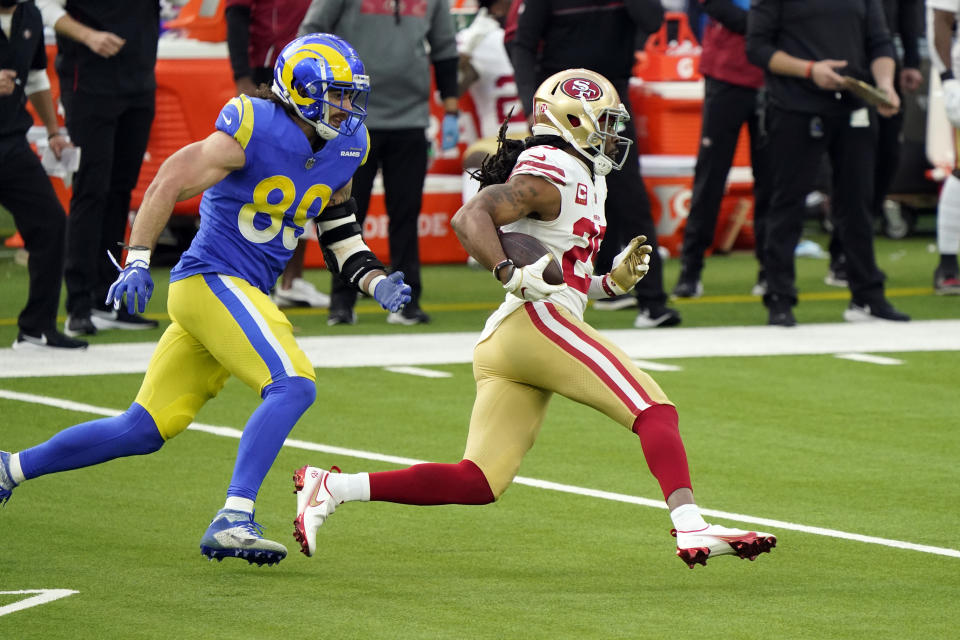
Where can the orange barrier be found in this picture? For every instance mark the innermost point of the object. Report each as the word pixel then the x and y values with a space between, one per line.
pixel 668 120
pixel 438 242
pixel 669 182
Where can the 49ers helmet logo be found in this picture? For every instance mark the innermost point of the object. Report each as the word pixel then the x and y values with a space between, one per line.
pixel 577 87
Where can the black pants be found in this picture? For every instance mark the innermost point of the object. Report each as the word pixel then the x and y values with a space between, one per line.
pixel 888 160
pixel 401 155
pixel 112 133
pixel 797 144
pixel 25 191
pixel 725 108
pixel 628 215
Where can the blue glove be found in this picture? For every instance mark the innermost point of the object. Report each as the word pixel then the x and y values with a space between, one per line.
pixel 451 131
pixel 134 281
pixel 392 293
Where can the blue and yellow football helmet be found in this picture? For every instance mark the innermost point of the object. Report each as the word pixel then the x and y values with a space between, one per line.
pixel 309 68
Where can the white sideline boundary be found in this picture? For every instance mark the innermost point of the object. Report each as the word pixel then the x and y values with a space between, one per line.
pixel 426 349
pixel 230 432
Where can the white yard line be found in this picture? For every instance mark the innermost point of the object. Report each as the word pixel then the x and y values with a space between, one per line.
pixel 230 432
pixel 649 365
pixel 43 596
pixel 419 371
pixel 868 358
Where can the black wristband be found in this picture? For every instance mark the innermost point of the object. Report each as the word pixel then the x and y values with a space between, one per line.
pixel 946 75
pixel 500 265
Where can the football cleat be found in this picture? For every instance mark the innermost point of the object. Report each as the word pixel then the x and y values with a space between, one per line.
pixel 6 480
pixel 314 504
pixel 694 547
pixel 234 534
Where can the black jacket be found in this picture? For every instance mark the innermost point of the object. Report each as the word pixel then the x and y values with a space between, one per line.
pixel 22 51
pixel 594 34
pixel 851 30
pixel 132 69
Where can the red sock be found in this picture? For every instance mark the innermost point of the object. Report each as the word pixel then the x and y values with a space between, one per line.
pixel 659 432
pixel 431 484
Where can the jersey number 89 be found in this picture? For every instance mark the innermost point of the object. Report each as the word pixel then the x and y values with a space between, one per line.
pixel 279 221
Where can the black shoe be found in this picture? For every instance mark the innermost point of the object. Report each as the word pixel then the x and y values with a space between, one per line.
pixel 656 316
pixel 882 310
pixel 121 319
pixel 341 315
pixel 52 339
pixel 946 283
pixel 408 316
pixel 616 303
pixel 79 325
pixel 688 289
pixel 781 318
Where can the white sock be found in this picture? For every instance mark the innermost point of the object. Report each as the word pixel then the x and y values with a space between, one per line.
pixel 687 517
pixel 948 217
pixel 15 471
pixel 349 487
pixel 235 503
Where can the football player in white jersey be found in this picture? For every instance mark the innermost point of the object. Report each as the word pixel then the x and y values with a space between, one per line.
pixel 946 277
pixel 486 72
pixel 551 186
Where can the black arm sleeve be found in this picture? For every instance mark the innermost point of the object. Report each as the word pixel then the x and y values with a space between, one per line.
pixel 726 13
pixel 909 22
pixel 879 42
pixel 531 25
pixel 360 263
pixel 648 14
pixel 238 39
pixel 446 72
pixel 763 25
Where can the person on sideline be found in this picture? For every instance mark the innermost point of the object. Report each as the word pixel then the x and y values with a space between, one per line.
pixel 25 189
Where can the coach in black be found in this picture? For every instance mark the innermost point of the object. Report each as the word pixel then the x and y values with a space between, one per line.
pixel 806 47
pixel 554 35
pixel 106 53
pixel 25 189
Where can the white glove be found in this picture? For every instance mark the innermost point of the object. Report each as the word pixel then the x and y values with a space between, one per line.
pixel 630 265
pixel 951 100
pixel 527 282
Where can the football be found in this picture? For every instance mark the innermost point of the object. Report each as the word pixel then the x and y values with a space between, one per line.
pixel 524 249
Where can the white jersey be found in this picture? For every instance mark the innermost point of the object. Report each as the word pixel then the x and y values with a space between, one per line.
pixel 494 92
pixel 573 238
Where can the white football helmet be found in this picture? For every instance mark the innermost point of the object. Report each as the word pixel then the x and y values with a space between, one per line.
pixel 584 109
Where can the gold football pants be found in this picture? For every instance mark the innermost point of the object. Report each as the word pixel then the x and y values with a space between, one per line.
pixel 538 350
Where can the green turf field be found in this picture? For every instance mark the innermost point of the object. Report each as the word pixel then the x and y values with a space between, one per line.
pixel 857 463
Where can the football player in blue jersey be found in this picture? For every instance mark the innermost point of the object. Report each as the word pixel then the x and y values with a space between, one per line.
pixel 274 163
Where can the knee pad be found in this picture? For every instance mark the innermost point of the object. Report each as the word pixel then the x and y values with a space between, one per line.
pixel 296 390
pixel 144 435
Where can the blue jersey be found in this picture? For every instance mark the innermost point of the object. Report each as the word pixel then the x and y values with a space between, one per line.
pixel 251 221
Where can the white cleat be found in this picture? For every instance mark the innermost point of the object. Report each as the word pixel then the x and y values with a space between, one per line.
pixel 694 547
pixel 314 504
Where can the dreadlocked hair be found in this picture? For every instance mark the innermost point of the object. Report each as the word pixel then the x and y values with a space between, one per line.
pixel 496 169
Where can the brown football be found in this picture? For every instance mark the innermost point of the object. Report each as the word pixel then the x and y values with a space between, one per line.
pixel 524 249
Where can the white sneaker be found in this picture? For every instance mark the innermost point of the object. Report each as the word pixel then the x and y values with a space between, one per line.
pixel 314 504
pixel 301 293
pixel 694 547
